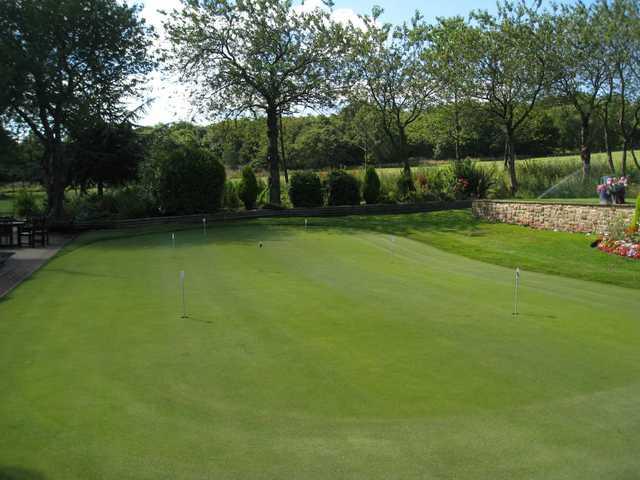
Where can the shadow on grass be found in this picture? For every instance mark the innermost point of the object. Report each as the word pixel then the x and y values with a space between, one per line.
pixel 18 473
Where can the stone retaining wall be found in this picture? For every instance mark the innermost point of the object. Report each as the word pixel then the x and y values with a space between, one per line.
pixel 565 216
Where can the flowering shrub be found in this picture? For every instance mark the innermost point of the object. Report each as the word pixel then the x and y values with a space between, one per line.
pixel 620 240
pixel 625 248
pixel 613 188
pixel 471 179
pixel 613 185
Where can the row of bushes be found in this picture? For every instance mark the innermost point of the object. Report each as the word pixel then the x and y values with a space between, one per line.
pixel 461 180
pixel 189 180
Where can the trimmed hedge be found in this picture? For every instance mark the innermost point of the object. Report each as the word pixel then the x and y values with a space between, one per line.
pixel 248 188
pixel 343 188
pixel 190 180
pixel 371 187
pixel 305 190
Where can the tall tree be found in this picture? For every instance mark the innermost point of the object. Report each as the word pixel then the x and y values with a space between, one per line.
pixel 391 72
pixel 242 56
pixel 452 56
pixel 105 155
pixel 69 61
pixel 582 69
pixel 512 70
pixel 622 41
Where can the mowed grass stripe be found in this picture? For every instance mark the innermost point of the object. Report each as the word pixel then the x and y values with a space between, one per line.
pixel 326 353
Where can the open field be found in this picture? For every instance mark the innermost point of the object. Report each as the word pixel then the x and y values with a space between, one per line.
pixel 337 351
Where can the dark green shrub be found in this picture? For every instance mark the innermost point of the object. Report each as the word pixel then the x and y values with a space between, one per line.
pixel 26 204
pixel 371 187
pixel 133 202
pixel 405 185
pixel 263 196
pixel 305 190
pixel 84 208
pixel 189 180
pixel 248 188
pixel 635 220
pixel 231 200
pixel 343 189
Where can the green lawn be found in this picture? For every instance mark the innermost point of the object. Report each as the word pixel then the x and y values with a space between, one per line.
pixel 335 352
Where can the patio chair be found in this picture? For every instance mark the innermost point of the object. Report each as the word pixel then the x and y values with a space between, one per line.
pixel 6 234
pixel 35 232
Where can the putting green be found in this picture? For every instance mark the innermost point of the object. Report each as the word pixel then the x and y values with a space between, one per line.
pixel 327 353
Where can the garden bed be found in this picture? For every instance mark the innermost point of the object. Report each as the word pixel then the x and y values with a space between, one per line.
pixel 623 248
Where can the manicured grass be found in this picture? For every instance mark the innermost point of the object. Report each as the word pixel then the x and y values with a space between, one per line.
pixel 511 246
pixel 331 352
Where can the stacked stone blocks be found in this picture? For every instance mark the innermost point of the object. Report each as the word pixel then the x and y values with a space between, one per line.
pixel 561 216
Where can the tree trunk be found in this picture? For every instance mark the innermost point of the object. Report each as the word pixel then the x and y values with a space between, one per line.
pixel 54 181
pixel 635 159
pixel 585 147
pixel 511 161
pixel 605 119
pixel 100 189
pixel 284 157
pixel 506 152
pixel 607 144
pixel 273 156
pixel 404 154
pixel 625 147
pixel 457 129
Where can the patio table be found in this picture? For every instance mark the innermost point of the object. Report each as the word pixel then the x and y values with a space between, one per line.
pixel 15 227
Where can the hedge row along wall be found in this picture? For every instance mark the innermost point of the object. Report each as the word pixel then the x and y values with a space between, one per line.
pixel 561 216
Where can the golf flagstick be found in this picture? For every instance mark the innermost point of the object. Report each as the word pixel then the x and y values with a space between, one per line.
pixel 515 302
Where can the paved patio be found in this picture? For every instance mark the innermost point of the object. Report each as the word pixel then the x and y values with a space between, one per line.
pixel 23 262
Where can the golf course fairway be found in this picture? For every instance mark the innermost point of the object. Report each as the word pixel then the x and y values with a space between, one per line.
pixel 326 353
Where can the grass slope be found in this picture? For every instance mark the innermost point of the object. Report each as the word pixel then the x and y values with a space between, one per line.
pixel 330 352
pixel 511 246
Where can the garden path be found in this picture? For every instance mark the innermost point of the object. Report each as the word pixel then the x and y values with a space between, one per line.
pixel 23 262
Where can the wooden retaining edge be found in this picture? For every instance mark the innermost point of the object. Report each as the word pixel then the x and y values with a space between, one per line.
pixel 341 211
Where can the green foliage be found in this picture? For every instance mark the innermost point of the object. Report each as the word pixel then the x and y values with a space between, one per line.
pixel 248 188
pixel 231 200
pixel 26 204
pixel 398 76
pixel 65 64
pixel 134 202
pixel 105 154
pixel 126 203
pixel 263 196
pixel 342 188
pixel 635 220
pixel 471 181
pixel 371 186
pixel 228 46
pixel 189 180
pixel 305 190
pixel 405 185
pixel 93 207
